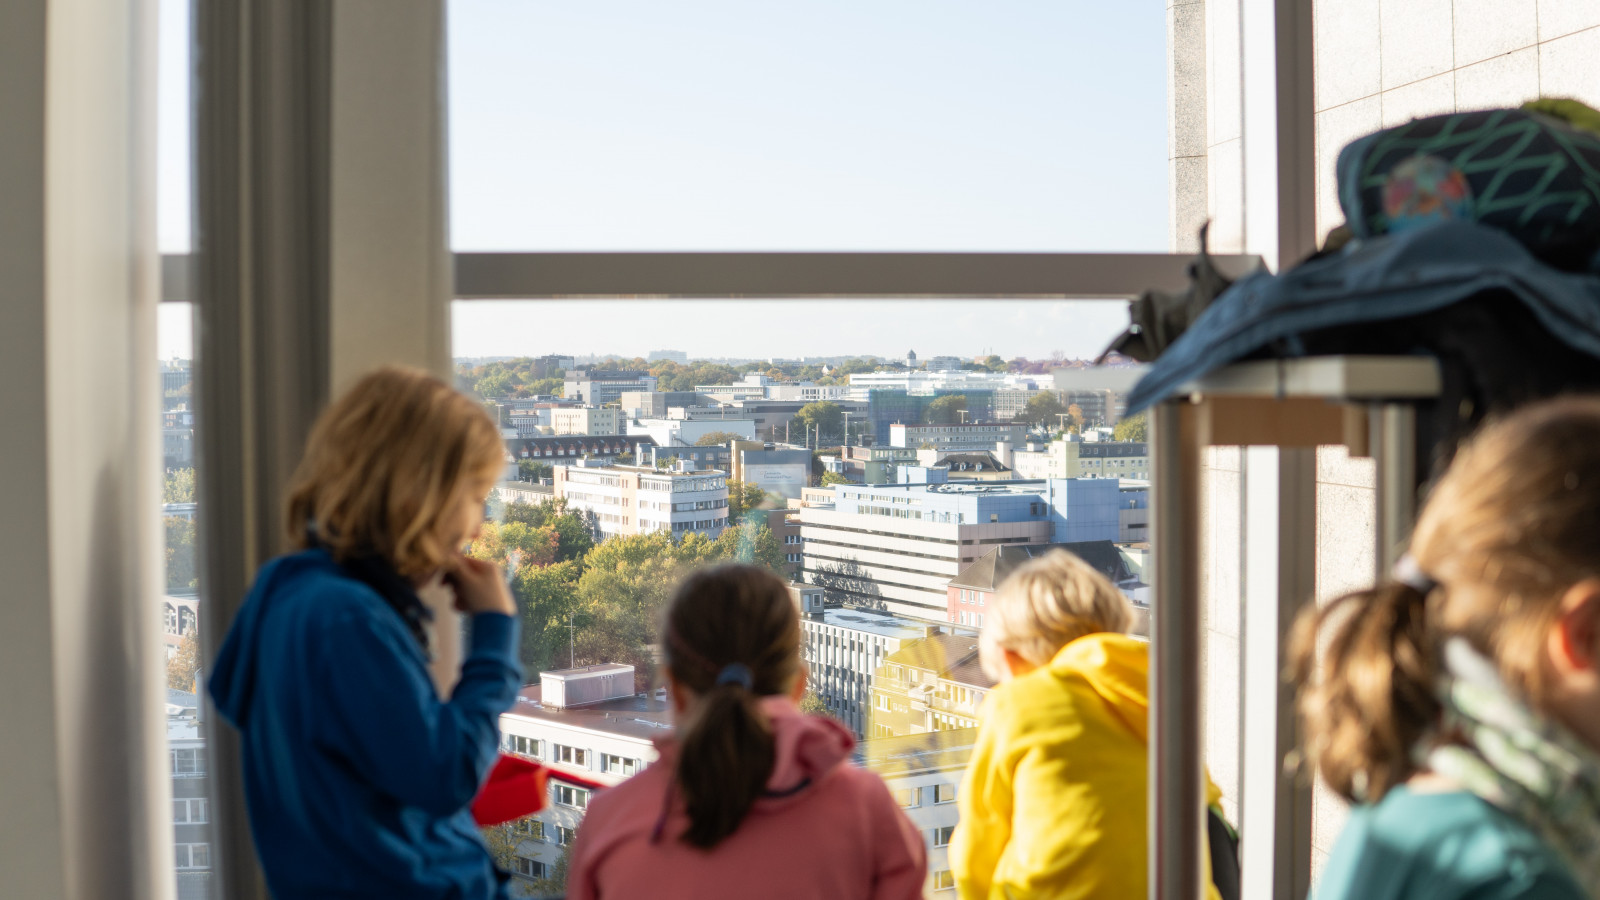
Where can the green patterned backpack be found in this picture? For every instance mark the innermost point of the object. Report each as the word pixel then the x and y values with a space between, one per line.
pixel 1533 173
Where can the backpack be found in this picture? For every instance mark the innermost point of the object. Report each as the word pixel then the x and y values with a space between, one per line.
pixel 1533 175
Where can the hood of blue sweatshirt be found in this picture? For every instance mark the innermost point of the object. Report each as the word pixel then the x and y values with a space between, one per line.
pixel 358 776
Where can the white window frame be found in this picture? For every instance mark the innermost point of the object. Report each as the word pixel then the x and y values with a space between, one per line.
pixel 184 856
pixel 195 811
pixel 572 797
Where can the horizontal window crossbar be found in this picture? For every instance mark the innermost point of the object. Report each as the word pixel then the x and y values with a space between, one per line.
pixel 530 276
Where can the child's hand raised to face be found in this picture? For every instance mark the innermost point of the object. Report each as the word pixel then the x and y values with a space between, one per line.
pixel 480 586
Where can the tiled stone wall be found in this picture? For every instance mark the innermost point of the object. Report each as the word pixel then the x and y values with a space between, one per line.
pixel 1378 63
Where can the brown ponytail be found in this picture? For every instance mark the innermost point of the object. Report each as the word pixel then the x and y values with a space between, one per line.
pixel 1371 699
pixel 1512 524
pixel 732 636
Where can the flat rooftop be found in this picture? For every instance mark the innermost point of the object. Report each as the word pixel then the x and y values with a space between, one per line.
pixel 637 716
pixel 591 670
pixel 881 624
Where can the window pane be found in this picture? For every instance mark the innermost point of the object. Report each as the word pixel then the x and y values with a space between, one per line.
pixel 180 605
pixel 785 434
pixel 893 125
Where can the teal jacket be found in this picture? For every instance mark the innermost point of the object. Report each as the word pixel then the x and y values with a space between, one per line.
pixel 1441 846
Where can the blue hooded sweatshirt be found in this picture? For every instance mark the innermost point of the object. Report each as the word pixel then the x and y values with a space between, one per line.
pixel 357 777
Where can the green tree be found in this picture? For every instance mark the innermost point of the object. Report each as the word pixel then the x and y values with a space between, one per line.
pixel 555 884
pixel 179 487
pixel 533 470
pixel 180 555
pixel 744 496
pixel 717 438
pixel 1042 409
pixel 1133 428
pixel 823 417
pixel 832 478
pixel 493 386
pixel 752 544
pixel 945 410
pixel 547 598
pixel 553 387
pixel 183 665
pixel 575 529
pixel 532 545
pixel 995 364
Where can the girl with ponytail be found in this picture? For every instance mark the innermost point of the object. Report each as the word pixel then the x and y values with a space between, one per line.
pixel 749 797
pixel 1458 705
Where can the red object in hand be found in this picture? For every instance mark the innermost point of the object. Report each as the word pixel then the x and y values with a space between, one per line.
pixel 516 789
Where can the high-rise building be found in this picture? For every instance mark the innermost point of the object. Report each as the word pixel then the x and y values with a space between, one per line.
pixel 844 649
pixel 597 387
pixel 895 547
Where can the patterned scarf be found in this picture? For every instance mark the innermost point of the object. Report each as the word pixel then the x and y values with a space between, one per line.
pixel 1519 761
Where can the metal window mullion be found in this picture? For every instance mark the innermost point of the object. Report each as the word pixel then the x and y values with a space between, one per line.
pixel 1176 775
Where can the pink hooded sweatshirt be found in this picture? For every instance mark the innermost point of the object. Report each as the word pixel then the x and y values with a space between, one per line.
pixel 826 830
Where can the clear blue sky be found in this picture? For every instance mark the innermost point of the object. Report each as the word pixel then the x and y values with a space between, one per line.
pixel 824 125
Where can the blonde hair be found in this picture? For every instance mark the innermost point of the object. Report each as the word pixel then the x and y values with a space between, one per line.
pixel 1509 527
pixel 383 465
pixel 1046 604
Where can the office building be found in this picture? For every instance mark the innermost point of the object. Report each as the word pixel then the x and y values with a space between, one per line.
pixel 586 420
pixel 781 471
pixel 896 547
pixel 656 404
pixel 191 796
pixel 640 500
pixel 672 433
pixel 888 407
pixel 597 388
pixel 1068 458
pixel 845 648
pixel 962 436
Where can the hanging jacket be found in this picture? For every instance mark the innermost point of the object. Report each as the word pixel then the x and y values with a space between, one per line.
pixel 825 829
pixel 1054 800
pixel 357 776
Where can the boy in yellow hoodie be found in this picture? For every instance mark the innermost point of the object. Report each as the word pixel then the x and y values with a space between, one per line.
pixel 1054 802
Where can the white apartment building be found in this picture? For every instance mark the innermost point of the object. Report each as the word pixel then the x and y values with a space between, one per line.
pixel 594 726
pixel 640 500
pixel 844 648
pixel 923 772
pixel 809 393
pixel 917 381
pixel 586 420
pixel 1083 459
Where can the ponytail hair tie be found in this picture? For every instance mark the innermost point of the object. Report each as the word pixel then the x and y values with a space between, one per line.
pixel 1409 573
pixel 736 673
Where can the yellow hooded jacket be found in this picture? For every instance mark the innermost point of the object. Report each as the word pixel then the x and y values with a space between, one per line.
pixel 1053 803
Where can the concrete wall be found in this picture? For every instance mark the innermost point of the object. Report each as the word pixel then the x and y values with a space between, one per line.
pixel 1378 63
pixel 1381 62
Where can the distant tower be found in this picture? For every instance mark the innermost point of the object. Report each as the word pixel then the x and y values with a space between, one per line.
pixel 911 359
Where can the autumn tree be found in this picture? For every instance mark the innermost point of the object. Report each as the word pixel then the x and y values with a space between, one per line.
pixel 1133 428
pixel 183 665
pixel 812 704
pixel 515 544
pixel 179 486
pixel 832 478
